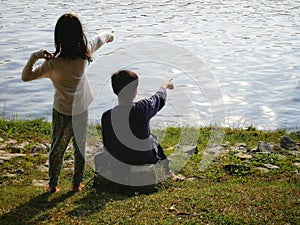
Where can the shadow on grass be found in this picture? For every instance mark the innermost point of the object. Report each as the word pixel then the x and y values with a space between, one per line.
pixel 103 193
pixel 35 210
pixel 53 208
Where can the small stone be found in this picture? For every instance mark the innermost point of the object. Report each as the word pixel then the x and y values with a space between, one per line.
pixel 296 164
pixel 7 157
pixel 39 183
pixel 189 150
pixel 241 145
pixel 270 166
pixel 281 157
pixel 226 144
pixel 1 139
pixel 243 156
pixel 263 147
pixel 262 169
pixel 42 168
pixel 20 147
pixel 10 141
pixel 214 150
pixel 190 178
pixel 9 175
pixel 39 147
pixel 295 153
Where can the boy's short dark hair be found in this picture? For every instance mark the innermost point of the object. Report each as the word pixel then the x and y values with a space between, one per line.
pixel 122 79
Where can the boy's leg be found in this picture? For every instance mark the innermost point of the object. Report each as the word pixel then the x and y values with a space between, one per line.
pixel 61 135
pixel 80 123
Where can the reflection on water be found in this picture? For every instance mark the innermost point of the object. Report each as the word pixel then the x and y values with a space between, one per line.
pixel 252 48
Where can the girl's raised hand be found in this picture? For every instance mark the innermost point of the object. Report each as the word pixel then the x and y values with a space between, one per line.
pixel 47 55
pixel 111 39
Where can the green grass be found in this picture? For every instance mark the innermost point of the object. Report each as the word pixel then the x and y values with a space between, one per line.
pixel 212 197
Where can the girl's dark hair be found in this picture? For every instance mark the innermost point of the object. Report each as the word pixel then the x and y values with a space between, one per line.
pixel 70 40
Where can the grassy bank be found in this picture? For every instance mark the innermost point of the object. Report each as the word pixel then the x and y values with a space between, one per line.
pixel 210 196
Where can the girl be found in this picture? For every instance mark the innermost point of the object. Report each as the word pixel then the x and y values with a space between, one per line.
pixel 66 69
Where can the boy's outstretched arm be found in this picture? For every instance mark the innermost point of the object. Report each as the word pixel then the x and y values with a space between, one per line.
pixel 150 106
pixel 168 85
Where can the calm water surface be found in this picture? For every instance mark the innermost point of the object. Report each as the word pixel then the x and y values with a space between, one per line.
pixel 247 68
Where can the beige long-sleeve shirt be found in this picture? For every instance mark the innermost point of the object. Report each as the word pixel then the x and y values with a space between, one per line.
pixel 72 91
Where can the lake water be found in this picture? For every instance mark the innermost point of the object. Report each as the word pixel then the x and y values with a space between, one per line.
pixel 236 63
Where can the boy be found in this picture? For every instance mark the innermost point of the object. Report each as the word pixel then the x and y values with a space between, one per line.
pixel 126 129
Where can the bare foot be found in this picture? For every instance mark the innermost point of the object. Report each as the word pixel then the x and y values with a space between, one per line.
pixel 177 177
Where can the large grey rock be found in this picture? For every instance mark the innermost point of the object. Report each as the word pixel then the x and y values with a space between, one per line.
pixel 266 147
pixel 287 143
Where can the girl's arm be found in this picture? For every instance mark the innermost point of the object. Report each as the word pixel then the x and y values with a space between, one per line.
pixel 103 38
pixel 29 73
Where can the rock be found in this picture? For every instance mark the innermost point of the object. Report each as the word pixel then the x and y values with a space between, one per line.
pixel 68 162
pixel 94 147
pixel 7 157
pixel 297 164
pixel 39 183
pixel 287 143
pixel 263 147
pixel 266 148
pixel 295 153
pixel 20 147
pixel 40 147
pixel 241 147
pixel 15 174
pixel 262 169
pixel 10 142
pixel 243 156
pixel 42 168
pixel 281 157
pixel 189 149
pixel 270 166
pixel 9 175
pixel 190 178
pixel 214 150
pixel 226 144
pixel 1 139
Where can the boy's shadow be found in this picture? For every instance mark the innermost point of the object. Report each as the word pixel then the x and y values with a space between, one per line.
pixel 39 208
pixel 28 212
pixel 106 192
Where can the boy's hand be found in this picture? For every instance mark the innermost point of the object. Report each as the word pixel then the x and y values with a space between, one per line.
pixel 168 85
